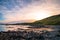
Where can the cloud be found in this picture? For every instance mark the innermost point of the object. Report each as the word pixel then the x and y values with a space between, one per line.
pixel 17 10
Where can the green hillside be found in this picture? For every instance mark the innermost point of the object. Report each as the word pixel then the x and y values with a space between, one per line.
pixel 53 20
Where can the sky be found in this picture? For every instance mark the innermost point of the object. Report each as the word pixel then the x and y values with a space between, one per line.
pixel 27 10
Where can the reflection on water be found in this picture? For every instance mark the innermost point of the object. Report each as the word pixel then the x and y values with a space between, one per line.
pixel 18 27
pixel 13 27
pixel 2 28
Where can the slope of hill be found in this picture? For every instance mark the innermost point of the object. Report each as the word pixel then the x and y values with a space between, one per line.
pixel 53 20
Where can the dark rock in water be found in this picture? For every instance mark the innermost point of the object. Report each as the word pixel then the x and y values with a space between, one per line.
pixel 37 26
pixel 30 35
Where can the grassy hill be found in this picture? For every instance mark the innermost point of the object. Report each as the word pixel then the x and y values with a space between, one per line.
pixel 53 20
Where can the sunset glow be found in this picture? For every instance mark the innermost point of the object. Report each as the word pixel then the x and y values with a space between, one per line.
pixel 41 14
pixel 23 10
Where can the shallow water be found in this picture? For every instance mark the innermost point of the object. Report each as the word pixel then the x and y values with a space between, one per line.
pixel 17 27
pixel 13 27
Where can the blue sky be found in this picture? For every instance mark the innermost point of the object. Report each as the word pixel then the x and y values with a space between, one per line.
pixel 22 9
pixel 1 16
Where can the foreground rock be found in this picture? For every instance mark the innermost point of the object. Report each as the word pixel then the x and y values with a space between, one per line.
pixel 30 35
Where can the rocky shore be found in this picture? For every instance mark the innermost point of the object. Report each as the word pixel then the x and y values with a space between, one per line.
pixel 30 35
